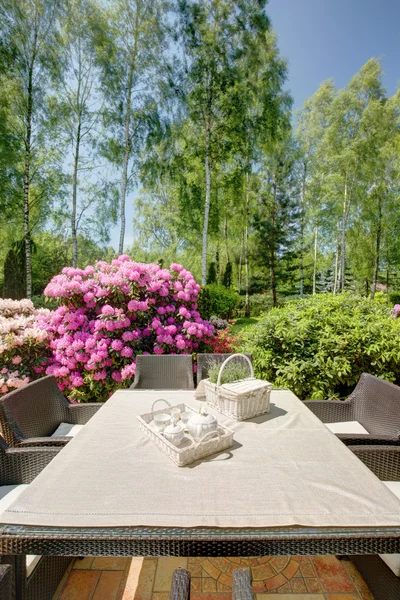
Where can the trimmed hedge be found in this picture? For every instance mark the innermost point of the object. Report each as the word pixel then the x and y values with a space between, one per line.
pixel 217 300
pixel 394 297
pixel 318 347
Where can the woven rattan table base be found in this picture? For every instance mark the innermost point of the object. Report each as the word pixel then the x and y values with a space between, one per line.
pixel 202 542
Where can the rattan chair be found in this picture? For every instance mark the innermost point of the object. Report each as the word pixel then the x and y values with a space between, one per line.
pixel 180 588
pixel 384 584
pixel 7 591
pixel 374 404
pixel 31 414
pixel 204 360
pixel 39 581
pixel 169 372
pixel 241 585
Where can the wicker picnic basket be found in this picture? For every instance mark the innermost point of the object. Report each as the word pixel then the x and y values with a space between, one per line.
pixel 241 399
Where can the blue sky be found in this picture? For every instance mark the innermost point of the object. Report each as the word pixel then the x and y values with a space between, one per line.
pixel 324 39
pixel 334 38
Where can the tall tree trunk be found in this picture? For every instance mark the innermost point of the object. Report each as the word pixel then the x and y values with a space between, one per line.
pixel 127 143
pixel 377 248
pixel 240 263
pixel 127 146
pixel 272 247
pixel 303 191
pixel 335 282
pixel 346 204
pixel 246 247
pixel 207 205
pixel 226 238
pixel 314 281
pixel 74 195
pixel 27 231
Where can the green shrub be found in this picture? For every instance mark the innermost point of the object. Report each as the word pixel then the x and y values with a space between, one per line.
pixel 44 302
pixel 394 297
pixel 318 347
pixel 217 300
pixel 204 303
pixel 259 304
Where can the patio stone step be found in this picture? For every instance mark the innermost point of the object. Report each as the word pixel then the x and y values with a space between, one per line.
pixel 274 577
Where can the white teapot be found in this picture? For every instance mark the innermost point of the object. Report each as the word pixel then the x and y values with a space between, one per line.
pixel 201 423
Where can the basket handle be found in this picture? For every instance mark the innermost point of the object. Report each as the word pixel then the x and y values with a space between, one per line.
pixel 207 435
pixel 160 400
pixel 230 358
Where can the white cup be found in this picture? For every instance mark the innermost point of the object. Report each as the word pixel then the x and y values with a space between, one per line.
pixel 161 421
pixel 175 413
pixel 185 416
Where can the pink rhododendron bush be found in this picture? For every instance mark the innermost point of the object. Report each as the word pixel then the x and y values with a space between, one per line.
pixel 24 347
pixel 112 312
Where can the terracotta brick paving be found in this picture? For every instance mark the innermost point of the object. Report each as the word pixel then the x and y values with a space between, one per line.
pixel 274 577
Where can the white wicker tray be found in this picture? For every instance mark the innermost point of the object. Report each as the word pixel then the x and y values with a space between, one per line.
pixel 189 450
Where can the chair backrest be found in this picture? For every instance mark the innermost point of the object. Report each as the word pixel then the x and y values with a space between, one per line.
pixel 34 410
pixel 377 405
pixel 169 372
pixel 4 464
pixel 204 360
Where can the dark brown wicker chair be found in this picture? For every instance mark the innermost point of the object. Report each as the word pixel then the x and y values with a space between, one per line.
pixel 21 466
pixel 374 403
pixel 241 585
pixel 31 414
pixel 7 591
pixel 169 372
pixel 384 461
pixel 180 588
pixel 204 360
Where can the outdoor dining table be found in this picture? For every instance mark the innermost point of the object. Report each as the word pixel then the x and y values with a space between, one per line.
pixel 286 486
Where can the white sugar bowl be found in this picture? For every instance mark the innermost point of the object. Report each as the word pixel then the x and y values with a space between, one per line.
pixel 201 423
pixel 174 433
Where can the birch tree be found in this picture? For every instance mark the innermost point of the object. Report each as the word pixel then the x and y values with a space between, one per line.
pixel 29 30
pixel 78 102
pixel 130 41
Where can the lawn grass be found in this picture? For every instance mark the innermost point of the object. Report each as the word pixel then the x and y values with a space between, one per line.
pixel 243 323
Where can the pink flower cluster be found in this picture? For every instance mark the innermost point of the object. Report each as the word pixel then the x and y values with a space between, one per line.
pixel 396 311
pixel 111 313
pixel 22 344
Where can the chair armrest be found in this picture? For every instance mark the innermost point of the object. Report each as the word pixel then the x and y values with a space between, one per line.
pixel 180 585
pixel 79 414
pixel 44 441
pixel 7 588
pixel 384 461
pixel 22 465
pixel 366 439
pixel 241 585
pixel 331 411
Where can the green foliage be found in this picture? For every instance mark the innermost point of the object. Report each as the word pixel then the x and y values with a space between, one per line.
pixel 14 277
pixel 259 304
pixel 204 303
pixel 233 371
pixel 394 297
pixel 319 347
pixel 227 279
pixel 221 300
pixel 212 273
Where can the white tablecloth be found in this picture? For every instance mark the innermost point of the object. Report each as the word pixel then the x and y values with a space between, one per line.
pixel 284 469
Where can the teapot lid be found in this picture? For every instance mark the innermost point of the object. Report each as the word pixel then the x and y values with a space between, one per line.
pixel 173 427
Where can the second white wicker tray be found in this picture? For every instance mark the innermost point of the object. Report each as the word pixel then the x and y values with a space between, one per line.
pixel 189 450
